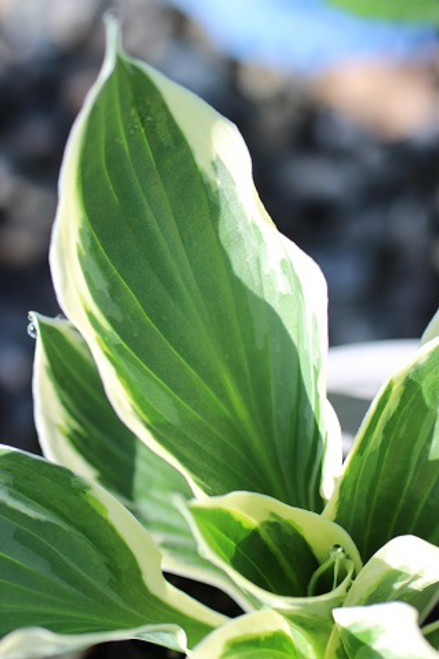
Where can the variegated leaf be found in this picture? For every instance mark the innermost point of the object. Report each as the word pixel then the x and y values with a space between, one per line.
pixel 78 428
pixel 382 631
pixel 390 483
pixel 259 635
pixel 288 559
pixel 77 568
pixel 207 325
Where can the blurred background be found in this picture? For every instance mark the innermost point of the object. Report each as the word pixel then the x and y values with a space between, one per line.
pixel 340 114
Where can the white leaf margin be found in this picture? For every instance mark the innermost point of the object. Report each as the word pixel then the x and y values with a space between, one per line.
pixel 21 643
pixel 252 625
pixel 225 142
pixel 392 626
pixel 35 642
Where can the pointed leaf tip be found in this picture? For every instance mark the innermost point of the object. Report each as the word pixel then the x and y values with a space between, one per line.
pixel 214 324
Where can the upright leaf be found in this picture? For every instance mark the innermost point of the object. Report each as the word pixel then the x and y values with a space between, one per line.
pixel 75 563
pixel 208 327
pixel 78 428
pixel 432 329
pixel 390 484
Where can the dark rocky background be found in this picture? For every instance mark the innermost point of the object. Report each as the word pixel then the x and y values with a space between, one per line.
pixel 347 164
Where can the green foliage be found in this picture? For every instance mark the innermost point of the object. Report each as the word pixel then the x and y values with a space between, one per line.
pixel 422 11
pixel 182 411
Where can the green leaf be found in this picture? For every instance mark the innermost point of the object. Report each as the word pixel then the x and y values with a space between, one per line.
pixel 284 558
pixel 79 429
pixel 75 562
pixel 382 631
pixel 425 11
pixel 390 483
pixel 432 329
pixel 275 547
pixel 406 569
pixel 431 633
pixel 207 325
pixel 260 635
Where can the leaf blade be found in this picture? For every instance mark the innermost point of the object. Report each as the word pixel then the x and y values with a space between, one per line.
pixel 284 558
pixel 405 569
pixel 206 360
pixel 260 635
pixel 382 631
pixel 78 429
pixel 390 479
pixel 75 562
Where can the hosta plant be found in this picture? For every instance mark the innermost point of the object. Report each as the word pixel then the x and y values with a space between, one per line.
pixel 182 411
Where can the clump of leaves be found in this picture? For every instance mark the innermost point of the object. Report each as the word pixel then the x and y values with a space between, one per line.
pixel 182 410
